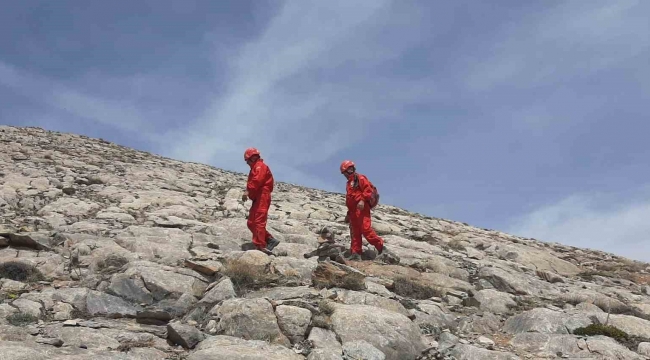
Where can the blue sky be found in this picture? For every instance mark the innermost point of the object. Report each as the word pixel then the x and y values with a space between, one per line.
pixel 529 117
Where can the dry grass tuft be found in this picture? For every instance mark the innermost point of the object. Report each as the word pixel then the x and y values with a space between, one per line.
pixel 414 289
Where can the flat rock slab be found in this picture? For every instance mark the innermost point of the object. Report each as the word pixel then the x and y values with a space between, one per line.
pixel 102 304
pixel 252 319
pixel 392 333
pixel 184 335
pixel 231 348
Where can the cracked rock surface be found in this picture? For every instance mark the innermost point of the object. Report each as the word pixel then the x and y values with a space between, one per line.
pixel 111 253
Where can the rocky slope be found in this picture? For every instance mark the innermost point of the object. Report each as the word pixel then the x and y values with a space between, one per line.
pixel 111 253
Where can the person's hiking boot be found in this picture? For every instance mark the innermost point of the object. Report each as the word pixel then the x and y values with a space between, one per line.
pixel 271 243
pixel 381 249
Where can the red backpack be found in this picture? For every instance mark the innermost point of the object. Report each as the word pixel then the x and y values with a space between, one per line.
pixel 374 198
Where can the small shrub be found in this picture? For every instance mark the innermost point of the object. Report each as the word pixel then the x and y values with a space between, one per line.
pixel 326 307
pixel 21 319
pixel 600 329
pixel 411 288
pixel 111 264
pixel 248 278
pixel 127 346
pixel 18 271
pixel 429 329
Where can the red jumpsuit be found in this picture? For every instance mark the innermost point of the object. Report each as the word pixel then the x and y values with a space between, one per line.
pixel 360 219
pixel 259 186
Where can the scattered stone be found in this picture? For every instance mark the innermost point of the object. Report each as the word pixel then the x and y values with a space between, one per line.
pixel 50 341
pixel 222 291
pixel 361 350
pixel 184 335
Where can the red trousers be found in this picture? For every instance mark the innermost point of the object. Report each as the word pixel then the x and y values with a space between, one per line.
pixel 360 224
pixel 257 217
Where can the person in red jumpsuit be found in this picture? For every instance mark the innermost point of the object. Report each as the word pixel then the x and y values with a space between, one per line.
pixel 258 189
pixel 357 196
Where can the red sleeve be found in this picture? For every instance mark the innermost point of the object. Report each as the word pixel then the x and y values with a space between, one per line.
pixel 366 189
pixel 256 181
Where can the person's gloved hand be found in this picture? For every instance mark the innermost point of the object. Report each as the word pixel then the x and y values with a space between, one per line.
pixel 244 197
pixel 360 205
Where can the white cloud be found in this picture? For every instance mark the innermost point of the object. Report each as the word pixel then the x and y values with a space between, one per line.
pixel 591 221
pixel 308 86
pixel 563 42
pixel 60 97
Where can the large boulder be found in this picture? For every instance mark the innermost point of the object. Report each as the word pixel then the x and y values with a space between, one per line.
pixel 232 348
pixel 250 319
pixel 392 333
pixel 546 321
pixel 293 322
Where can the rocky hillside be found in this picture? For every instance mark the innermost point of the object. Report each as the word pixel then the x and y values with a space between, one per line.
pixel 111 253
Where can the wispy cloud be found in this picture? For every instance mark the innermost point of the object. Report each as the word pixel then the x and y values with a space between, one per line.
pixel 309 86
pixel 560 43
pixel 69 101
pixel 591 221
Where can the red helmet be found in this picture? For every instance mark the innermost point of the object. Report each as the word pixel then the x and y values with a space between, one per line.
pixel 345 165
pixel 250 152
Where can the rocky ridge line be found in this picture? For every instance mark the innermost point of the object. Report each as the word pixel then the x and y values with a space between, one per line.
pixel 111 253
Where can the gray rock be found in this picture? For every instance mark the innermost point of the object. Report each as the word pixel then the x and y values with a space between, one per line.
pixel 232 348
pixel 349 297
pixel 552 345
pixel 249 319
pixel 325 340
pixel 644 349
pixel 293 322
pixel 32 308
pixel 20 351
pixel 62 311
pixel 49 341
pixel 392 333
pixel 494 301
pixel 184 335
pixel 222 291
pixel 324 354
pixel 96 339
pixel 361 350
pixel 102 304
pixel 469 352
pixel 130 289
pixel 546 321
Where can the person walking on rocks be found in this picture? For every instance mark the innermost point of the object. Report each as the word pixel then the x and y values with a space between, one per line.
pixel 359 192
pixel 258 189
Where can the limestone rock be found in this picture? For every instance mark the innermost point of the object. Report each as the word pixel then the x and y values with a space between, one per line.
pixel 233 348
pixel 293 322
pixel 222 291
pixel 185 335
pixel 252 319
pixel 392 333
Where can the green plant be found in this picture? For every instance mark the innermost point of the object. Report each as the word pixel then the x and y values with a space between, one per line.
pixel 600 329
pixel 21 319
pixel 19 271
